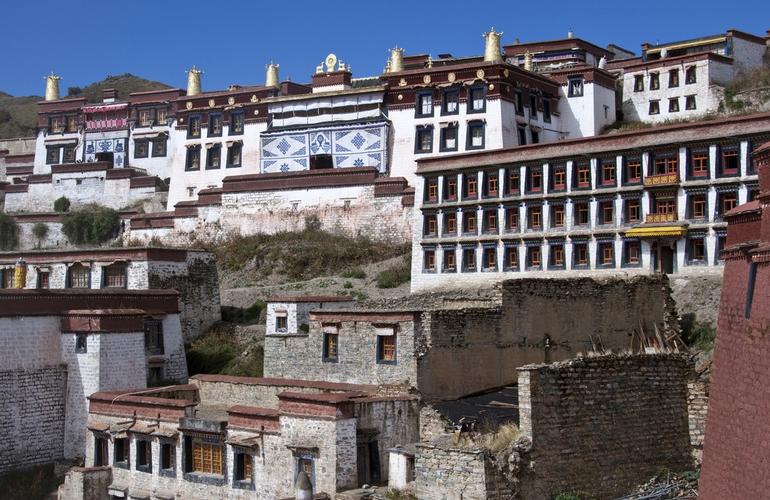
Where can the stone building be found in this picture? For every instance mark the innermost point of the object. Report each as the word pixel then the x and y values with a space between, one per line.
pixel 625 203
pixel 60 346
pixel 735 453
pixel 192 273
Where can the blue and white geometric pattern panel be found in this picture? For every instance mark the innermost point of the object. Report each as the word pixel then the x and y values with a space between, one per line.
pixel 115 146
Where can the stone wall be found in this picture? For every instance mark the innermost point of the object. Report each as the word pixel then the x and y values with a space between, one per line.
pixel 443 472
pixel 604 424
pixel 85 483
pixel 32 408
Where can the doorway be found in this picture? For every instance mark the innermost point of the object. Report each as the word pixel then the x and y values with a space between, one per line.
pixel 108 157
pixel 664 255
pixel 368 459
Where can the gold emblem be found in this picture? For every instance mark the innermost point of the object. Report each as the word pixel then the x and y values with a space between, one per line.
pixel 331 61
pixel 256 112
pixel 491 86
pixel 426 79
pixel 211 103
pixel 400 97
pixel 231 100
pixel 480 73
pixel 506 73
pixel 451 77
pixel 188 105
pixel 254 98
pixel 402 82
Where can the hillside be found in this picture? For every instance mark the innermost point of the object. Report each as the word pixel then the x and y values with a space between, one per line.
pixel 18 114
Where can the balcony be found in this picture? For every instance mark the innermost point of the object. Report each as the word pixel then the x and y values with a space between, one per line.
pixel 661 179
pixel 658 218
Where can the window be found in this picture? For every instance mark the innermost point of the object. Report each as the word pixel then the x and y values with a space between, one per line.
pixel 236 123
pixel 581 213
pixel 535 179
pixel 638 83
pixel 161 116
pixel 490 259
pixel 145 118
pixel 194 127
pixel 557 216
pixel 535 136
pixel 469 259
pixel 215 124
pixel 52 155
pixel 431 193
pixel 331 347
pixel 666 164
pixel 519 98
pixel 696 251
pixel 43 279
pixel 469 222
pixel 450 191
pixel 535 218
pixel 699 164
pixel 533 257
pixel 243 467
pixel 514 182
pixel 449 260
pixel 607 253
pixel 167 457
pixel 580 254
pixel 321 161
pixel 633 170
pixel 471 185
pixel 424 104
pixel 490 221
pixel 665 205
pixel 583 177
pixel 511 258
pixel 654 107
pixel 654 81
pixel 206 457
pixel 673 105
pixel 100 450
pixel 698 207
pixel 81 343
pixel 120 452
pixel 633 211
pixel 281 321
pixel 557 256
pixel 533 107
pixel 522 131
pixel 79 276
pixel 305 463
pixel 546 110
pixel 429 261
pixel 234 155
pixel 450 103
pixel 608 173
pixel 728 201
pixel 689 75
pixel 68 153
pixel 559 178
pixel 689 102
pixel 448 138
pixel 72 124
pixel 476 99
pixel 490 185
pixel 632 253
pixel 431 225
pixel 475 135
pixel 730 161
pixel 575 88
pixel 386 347
pixel 193 160
pixel 114 275
pixel 424 140
pixel 190 191
pixel 6 276
pixel 450 223
pixel 673 78
pixel 153 336
pixel 606 212
pixel 512 219
pixel 159 146
pixel 214 157
pixel 143 455
pixel 56 124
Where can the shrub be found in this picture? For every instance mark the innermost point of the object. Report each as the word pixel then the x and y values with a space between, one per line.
pixel 9 232
pixel 697 335
pixel 395 276
pixel 40 231
pixel 61 205
pixel 347 284
pixel 91 225
pixel 247 315
pixel 356 273
pixel 221 353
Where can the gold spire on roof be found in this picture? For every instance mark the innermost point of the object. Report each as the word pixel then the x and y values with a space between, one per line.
pixel 396 61
pixel 52 87
pixel 492 46
pixel 271 77
pixel 194 81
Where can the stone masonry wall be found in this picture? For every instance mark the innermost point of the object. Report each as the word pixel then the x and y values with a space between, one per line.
pixel 603 425
pixel 443 472
pixel 32 408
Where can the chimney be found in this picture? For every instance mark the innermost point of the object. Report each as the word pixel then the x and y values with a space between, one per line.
pixel 528 61
pixel 396 61
pixel 52 87
pixel 271 76
pixel 194 81
pixel 109 95
pixel 492 46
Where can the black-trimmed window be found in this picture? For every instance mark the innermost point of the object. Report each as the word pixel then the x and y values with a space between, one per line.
pixel 448 138
pixel 161 116
pixel 632 170
pixel 522 133
pixel 582 213
pixel 689 103
pixel 654 108
pixel 43 280
pixel 632 253
pixel 534 258
pixel 71 125
pixel 513 181
pixel 331 347
pixel 556 258
pixel 243 473
pixel 141 148
pixel 697 207
pixel 450 102
pixel 115 275
pixel 167 458
pixel 193 158
pixel 101 450
pixel 477 99
pixel 654 81
pixel 608 168
pixel 673 105
pixel 690 75
pixel 519 99
pixel 79 276
pixel 146 117
pixel 430 224
pixel 489 259
pixel 204 455
pixel 450 187
pixel 143 455
pixel 6 278
pixel 582 177
pixel 698 167
pixel 535 135
pixel 450 261
pixel 665 163
pixel 575 87
pixel 533 107
pixel 546 110
pixel 491 188
pixel 580 255
pixel 470 225
pixel 52 154
pixel 214 157
pixel 632 210
pixel 558 178
pixel 121 453
pixel 423 139
pixel 236 123
pixel 534 179
pixel 512 219
pixel 57 124
pixel 558 216
pixel 476 139
pixel 726 201
pixel 606 254
pixel 511 262
pixel 729 161
pixel 535 217
pixel 234 155
pixel 431 190
pixel 194 126
pixel 673 78
pixel 159 146
pixel 81 343
pixel 424 104
pixel 450 223
pixel 470 186
pixel 216 121
pixel 68 153
pixel 639 83
pixel 153 336
pixel 606 210
pixel 489 222
pixel 387 346
pixel 696 251
pixel 469 259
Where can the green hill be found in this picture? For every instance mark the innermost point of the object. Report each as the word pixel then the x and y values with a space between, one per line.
pixel 18 114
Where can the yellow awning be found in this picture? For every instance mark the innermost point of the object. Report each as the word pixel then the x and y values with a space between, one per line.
pixel 656 231
pixel 687 45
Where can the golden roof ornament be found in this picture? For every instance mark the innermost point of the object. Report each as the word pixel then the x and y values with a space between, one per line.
pixel 330 62
pixel 52 87
pixel 194 81
pixel 528 61
pixel 492 46
pixel 396 61
pixel 20 274
pixel 271 75
pixel 429 64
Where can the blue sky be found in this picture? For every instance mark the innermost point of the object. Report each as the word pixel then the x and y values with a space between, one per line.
pixel 83 41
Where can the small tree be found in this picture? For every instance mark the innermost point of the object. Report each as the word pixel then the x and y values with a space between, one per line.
pixel 61 205
pixel 40 231
pixel 92 225
pixel 9 232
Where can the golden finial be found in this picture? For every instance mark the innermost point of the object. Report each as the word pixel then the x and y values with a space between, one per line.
pixel 429 64
pixel 396 61
pixel 194 81
pixel 52 87
pixel 271 77
pixel 492 46
pixel 528 61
